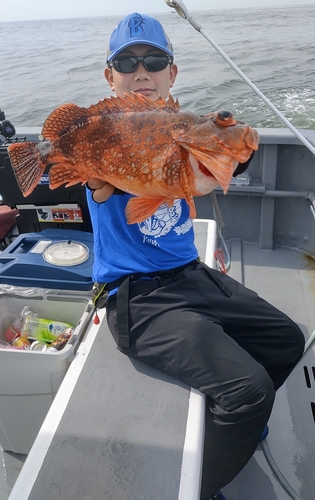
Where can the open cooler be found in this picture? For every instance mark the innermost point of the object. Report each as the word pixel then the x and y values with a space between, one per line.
pixel 29 380
pixel 50 274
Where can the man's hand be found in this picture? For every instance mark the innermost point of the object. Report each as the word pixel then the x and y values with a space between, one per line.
pixel 101 190
pixel 241 167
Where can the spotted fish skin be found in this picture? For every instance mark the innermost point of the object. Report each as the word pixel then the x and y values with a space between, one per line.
pixel 150 149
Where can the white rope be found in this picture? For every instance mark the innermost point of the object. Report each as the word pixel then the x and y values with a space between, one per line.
pixel 181 9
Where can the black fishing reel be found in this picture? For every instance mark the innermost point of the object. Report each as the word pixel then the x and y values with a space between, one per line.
pixel 6 127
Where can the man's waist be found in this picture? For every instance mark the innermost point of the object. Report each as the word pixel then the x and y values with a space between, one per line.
pixel 147 275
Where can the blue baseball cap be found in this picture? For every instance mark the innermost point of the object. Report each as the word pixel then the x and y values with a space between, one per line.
pixel 137 29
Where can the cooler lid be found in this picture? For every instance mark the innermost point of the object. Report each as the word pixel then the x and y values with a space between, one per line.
pixel 53 258
pixel 66 253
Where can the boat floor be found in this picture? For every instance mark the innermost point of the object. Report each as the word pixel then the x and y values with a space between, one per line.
pixel 11 466
pixel 286 278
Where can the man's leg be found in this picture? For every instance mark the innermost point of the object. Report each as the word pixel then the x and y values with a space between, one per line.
pixel 173 330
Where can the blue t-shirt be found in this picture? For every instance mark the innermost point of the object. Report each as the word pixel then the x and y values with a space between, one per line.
pixel 163 241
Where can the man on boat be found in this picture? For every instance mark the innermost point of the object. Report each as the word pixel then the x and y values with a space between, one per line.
pixel 166 308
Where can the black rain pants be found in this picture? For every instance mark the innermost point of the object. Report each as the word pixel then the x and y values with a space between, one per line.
pixel 226 342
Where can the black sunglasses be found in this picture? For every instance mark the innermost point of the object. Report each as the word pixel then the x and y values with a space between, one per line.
pixel 129 64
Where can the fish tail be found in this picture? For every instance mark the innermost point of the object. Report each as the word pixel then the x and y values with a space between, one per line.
pixel 27 165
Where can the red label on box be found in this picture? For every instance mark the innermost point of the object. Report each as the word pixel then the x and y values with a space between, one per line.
pixel 59 214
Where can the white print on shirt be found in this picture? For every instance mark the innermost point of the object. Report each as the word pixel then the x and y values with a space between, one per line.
pixel 184 228
pixel 162 222
pixel 152 241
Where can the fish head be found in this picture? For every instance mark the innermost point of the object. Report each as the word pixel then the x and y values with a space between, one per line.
pixel 238 138
pixel 219 143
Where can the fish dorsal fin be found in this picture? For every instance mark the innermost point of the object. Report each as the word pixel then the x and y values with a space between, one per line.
pixel 142 103
pixel 70 116
pixel 63 119
pixel 134 102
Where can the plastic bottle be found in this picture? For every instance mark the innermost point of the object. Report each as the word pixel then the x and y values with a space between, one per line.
pixel 14 330
pixel 41 329
pixel 61 341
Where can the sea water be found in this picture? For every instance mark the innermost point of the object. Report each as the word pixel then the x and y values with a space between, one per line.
pixel 50 62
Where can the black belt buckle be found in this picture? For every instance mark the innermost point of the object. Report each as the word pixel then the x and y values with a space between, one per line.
pixel 99 295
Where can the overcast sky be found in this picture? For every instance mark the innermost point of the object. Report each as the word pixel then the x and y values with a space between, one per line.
pixel 22 10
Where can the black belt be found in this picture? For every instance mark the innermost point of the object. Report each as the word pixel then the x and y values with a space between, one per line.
pixel 100 292
pixel 154 274
pixel 123 298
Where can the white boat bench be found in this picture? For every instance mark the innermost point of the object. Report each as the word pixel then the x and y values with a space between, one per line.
pixel 118 429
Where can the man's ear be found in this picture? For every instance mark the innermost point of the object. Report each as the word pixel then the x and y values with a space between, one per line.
pixel 109 77
pixel 173 74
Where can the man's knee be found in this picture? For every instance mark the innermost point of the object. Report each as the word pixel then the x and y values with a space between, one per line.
pixel 296 343
pixel 264 392
pixel 255 395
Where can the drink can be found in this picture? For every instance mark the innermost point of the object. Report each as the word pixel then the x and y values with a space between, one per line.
pixel 14 330
pixel 38 346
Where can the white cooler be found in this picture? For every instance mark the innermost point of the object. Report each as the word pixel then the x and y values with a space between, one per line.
pixel 29 380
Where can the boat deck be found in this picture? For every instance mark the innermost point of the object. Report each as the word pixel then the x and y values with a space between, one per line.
pixel 84 461
pixel 286 278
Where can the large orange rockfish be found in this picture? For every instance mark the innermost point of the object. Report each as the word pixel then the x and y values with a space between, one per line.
pixel 147 148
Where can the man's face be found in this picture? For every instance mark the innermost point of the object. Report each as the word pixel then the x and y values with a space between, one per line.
pixel 151 84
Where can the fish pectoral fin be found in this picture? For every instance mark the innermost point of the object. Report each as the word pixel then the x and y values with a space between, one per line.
pixel 139 209
pixel 64 174
pixel 220 165
pixel 26 165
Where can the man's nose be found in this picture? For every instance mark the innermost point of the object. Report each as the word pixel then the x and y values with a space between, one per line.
pixel 141 72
